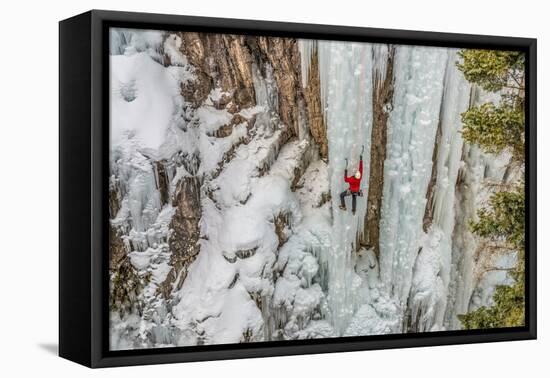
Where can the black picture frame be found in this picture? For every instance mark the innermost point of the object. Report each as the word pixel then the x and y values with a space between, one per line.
pixel 83 167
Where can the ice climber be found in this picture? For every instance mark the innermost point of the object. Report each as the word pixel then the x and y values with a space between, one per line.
pixel 354 186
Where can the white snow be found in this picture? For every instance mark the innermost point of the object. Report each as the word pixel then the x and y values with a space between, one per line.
pixel 145 100
pixel 212 119
pixel 123 41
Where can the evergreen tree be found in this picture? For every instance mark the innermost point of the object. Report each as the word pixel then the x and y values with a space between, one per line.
pixel 496 128
pixel 503 221
pixel 493 70
pixel 508 309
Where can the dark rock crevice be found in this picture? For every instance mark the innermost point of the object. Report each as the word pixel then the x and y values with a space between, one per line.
pixel 283 56
pixel 382 99
pixel 429 212
pixel 430 193
pixel 185 233
pixel 125 283
pixel 312 95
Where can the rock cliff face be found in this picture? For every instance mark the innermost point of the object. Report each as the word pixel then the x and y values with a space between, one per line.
pixel 185 233
pixel 226 63
pixel 219 61
pixel 282 55
pixel 244 95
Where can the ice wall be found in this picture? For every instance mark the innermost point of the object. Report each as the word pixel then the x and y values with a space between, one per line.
pixel 431 273
pixel 128 41
pixel 477 176
pixel 346 82
pixel 306 47
pixel 412 125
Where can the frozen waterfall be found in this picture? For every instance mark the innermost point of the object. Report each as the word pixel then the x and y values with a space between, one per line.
pixel 346 75
pixel 431 273
pixel 415 266
pixel 413 122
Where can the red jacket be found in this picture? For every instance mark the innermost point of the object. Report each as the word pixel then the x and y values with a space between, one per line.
pixel 354 184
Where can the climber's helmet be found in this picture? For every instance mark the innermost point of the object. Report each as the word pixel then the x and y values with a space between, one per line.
pixel 358 175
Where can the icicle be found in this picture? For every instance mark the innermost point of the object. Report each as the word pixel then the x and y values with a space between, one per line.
pixel 380 54
pixel 324 57
pixel 266 91
pixel 455 102
pixel 306 47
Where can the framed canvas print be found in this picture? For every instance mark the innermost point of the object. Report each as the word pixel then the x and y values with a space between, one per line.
pixel 234 188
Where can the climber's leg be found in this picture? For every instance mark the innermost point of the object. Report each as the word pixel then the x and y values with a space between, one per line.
pixel 343 199
pixel 353 202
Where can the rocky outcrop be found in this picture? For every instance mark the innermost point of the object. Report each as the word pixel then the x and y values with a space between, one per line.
pixel 125 288
pixel 163 182
pixel 223 62
pixel 283 55
pixel 183 240
pixel 312 95
pixel 114 197
pixel 282 226
pixel 125 284
pixel 117 250
pixel 382 97
pixel 220 60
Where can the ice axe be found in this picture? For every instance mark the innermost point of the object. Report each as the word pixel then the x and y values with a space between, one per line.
pixel 346 163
